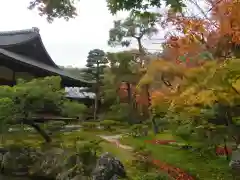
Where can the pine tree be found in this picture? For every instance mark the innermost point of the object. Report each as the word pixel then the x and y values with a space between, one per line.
pixel 96 62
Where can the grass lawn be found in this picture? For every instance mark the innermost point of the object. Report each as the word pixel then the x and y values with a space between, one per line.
pixel 203 169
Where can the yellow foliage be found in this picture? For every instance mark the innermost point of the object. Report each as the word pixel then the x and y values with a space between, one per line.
pixel 156 70
pixel 193 111
pixel 206 97
pixel 160 65
pixel 236 85
pixel 146 79
pixel 202 86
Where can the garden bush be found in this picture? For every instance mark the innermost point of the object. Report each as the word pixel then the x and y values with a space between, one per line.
pixel 36 98
pixel 138 130
pixel 109 124
pixel 142 159
pixel 89 125
pixel 73 109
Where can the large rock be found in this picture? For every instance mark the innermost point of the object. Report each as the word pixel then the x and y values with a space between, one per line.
pixel 17 161
pixel 235 163
pixel 108 168
pixel 57 163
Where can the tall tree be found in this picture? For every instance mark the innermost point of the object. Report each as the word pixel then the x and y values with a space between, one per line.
pixel 135 26
pixel 138 5
pixel 55 8
pixel 96 62
pixel 67 8
pixel 120 80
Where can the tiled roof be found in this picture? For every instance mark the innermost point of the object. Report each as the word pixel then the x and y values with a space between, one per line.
pixel 8 38
pixel 13 40
pixel 78 92
pixel 34 63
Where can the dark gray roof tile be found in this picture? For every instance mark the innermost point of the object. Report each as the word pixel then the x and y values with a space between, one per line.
pixel 31 62
pixel 8 38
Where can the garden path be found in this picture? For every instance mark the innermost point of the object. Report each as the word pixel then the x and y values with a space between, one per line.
pixel 172 171
pixel 115 139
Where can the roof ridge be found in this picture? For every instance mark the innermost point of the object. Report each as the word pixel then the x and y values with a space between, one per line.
pixel 23 31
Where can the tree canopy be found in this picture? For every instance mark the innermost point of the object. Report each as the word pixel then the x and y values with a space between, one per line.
pixel 67 8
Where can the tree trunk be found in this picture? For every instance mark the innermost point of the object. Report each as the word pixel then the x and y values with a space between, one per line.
pixel 95 107
pixel 129 94
pixel 96 94
pixel 154 125
pixel 149 101
pixel 151 115
pixel 226 149
pixel 141 51
pixel 226 119
pixel 46 137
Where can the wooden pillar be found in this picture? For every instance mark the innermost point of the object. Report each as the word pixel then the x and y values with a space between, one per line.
pixel 14 81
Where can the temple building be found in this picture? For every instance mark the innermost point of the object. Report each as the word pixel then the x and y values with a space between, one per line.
pixel 23 55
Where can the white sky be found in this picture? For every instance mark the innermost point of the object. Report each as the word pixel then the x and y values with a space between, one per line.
pixel 67 42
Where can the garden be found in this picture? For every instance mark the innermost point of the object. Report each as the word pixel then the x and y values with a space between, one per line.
pixel 166 115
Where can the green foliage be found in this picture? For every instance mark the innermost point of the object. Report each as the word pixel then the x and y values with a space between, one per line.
pixel 122 65
pixel 162 123
pixel 109 124
pixel 135 26
pixel 185 132
pixel 67 8
pixel 31 99
pixel 87 153
pixel 27 99
pixel 55 8
pixel 73 109
pixel 96 62
pixel 63 163
pixel 142 160
pixel 138 130
pixel 127 5
pixel 89 125
pixel 119 112
pixel 7 111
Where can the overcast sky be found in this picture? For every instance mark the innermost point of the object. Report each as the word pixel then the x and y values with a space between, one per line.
pixel 68 43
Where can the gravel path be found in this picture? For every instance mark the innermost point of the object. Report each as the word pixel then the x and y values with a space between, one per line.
pixel 172 171
pixel 115 139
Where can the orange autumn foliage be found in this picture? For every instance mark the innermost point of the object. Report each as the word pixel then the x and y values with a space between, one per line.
pixel 139 97
pixel 218 34
pixel 226 13
pixel 156 97
pixel 190 41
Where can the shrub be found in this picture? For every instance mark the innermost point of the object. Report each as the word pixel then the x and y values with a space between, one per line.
pixel 89 125
pixel 142 159
pixel 66 163
pixel 139 130
pixel 73 109
pixel 39 96
pixel 109 124
pixel 119 112
pixel 25 100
